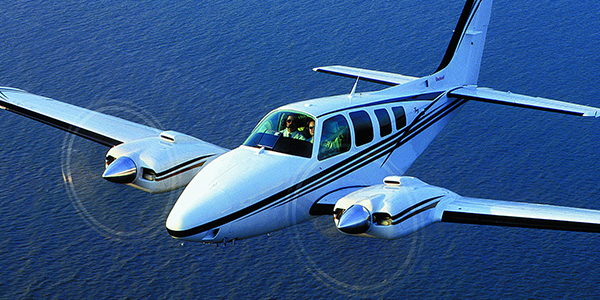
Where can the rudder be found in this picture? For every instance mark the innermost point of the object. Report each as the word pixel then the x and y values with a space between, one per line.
pixel 461 63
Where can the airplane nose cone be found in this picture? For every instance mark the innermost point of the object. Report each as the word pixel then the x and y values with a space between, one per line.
pixel 189 218
pixel 184 225
pixel 122 170
pixel 176 226
pixel 355 220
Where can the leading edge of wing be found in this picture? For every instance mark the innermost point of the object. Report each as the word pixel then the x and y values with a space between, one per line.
pixel 518 214
pixel 512 99
pixel 101 128
pixel 367 75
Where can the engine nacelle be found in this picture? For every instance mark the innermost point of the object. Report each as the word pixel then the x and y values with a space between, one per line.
pixel 400 206
pixel 159 164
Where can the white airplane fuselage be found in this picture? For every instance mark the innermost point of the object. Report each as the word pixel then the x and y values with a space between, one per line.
pixel 325 156
pixel 251 191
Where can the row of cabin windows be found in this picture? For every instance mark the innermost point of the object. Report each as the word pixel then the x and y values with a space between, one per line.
pixel 336 136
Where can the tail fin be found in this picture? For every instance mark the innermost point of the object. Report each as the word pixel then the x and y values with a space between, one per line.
pixel 462 60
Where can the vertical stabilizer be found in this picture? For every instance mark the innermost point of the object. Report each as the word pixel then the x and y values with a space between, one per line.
pixel 460 65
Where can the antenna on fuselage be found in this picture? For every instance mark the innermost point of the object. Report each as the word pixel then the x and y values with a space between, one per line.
pixel 353 89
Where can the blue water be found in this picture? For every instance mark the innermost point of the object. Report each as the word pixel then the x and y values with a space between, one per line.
pixel 212 69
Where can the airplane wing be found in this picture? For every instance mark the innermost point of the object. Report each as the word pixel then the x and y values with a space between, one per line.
pixel 146 158
pixel 403 205
pixel 508 98
pixel 367 75
pixel 517 214
pixel 104 129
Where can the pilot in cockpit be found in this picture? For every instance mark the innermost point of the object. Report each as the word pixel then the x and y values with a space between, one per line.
pixel 291 128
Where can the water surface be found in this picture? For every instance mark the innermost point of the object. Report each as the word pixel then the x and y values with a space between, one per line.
pixel 213 69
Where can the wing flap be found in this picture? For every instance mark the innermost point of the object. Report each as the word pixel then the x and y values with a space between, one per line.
pixel 367 75
pixel 101 128
pixel 508 98
pixel 517 214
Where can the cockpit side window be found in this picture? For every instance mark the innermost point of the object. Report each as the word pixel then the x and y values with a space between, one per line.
pixel 335 137
pixel 285 132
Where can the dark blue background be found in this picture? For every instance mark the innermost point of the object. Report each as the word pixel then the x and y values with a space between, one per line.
pixel 213 69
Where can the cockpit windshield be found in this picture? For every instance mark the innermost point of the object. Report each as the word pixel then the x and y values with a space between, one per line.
pixel 286 132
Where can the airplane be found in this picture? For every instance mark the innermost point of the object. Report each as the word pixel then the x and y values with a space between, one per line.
pixel 342 156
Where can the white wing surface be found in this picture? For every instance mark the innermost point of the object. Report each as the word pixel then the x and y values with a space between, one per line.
pixel 517 214
pixel 367 75
pixel 101 128
pixel 403 205
pixel 508 98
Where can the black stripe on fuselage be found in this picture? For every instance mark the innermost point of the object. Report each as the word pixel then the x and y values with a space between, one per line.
pixel 327 209
pixel 358 160
pixel 511 221
pixel 409 128
pixel 326 176
pixel 87 134
pixel 371 154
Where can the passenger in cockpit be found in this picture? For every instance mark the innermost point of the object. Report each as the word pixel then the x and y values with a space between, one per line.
pixel 335 137
pixel 309 131
pixel 331 140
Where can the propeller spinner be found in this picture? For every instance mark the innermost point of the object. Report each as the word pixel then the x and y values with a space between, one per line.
pixel 122 170
pixel 355 220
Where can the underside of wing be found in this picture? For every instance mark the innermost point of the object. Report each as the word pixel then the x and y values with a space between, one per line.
pixel 101 128
pixel 367 75
pixel 518 214
pixel 511 99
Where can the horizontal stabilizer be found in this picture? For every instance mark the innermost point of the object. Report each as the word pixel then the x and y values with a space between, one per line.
pixel 508 98
pixel 518 214
pixel 367 75
pixel 104 129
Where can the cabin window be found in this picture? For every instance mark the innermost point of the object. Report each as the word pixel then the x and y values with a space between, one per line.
pixel 400 117
pixel 385 124
pixel 284 131
pixel 363 128
pixel 335 137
